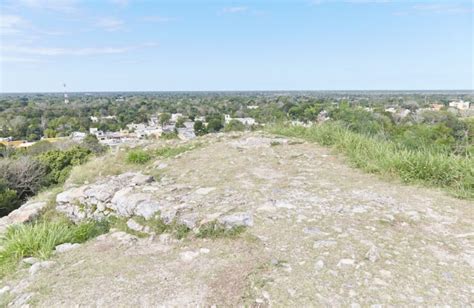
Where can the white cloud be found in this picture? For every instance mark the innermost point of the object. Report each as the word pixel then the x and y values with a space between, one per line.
pixel 444 8
pixel 110 24
pixel 318 2
pixel 11 24
pixel 60 51
pixel 157 19
pixel 53 5
pixel 8 59
pixel 234 10
pixel 121 3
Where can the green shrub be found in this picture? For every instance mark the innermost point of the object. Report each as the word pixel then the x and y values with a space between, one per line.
pixel 59 163
pixel 138 157
pixel 234 125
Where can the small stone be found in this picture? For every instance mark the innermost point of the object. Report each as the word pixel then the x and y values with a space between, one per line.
pixel 380 282
pixel 314 231
pixel 204 190
pixel 166 238
pixel 319 264
pixel 373 254
pixel 345 263
pixel 188 256
pixel 204 250
pixel 124 237
pixel 66 247
pixel 265 295
pixel 30 260
pixel 40 265
pixel 324 244
pixel 292 292
pixel 236 220
pixel 385 273
pixel 135 226
pixel 4 290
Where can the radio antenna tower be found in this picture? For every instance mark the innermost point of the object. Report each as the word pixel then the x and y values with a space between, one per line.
pixel 66 100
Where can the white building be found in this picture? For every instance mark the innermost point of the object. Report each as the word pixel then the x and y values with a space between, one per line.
pixel 78 136
pixel 175 117
pixel 245 121
pixel 461 105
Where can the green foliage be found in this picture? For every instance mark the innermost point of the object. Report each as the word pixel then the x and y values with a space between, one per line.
pixel 39 240
pixel 199 128
pixel 91 143
pixel 169 135
pixel 234 125
pixel 167 152
pixel 39 147
pixel 8 199
pixel 215 230
pixel 138 157
pixel 180 122
pixel 214 125
pixel 164 118
pixel 59 163
pixel 432 168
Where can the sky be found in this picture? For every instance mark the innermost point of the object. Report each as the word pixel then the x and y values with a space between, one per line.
pixel 193 45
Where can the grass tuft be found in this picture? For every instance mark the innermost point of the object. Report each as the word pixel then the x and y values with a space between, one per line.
pixel 39 240
pixel 215 230
pixel 138 156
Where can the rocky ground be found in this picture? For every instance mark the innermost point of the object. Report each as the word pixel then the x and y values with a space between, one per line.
pixel 320 234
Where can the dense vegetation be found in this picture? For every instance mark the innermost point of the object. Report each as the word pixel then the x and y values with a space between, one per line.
pixel 24 172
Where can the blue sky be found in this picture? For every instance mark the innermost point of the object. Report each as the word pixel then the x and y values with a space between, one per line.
pixel 135 45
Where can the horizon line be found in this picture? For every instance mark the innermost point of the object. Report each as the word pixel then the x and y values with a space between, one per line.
pixel 217 91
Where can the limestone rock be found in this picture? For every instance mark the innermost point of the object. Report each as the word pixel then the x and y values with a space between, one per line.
pixel 373 254
pixel 66 247
pixel 188 256
pixel 40 265
pixel 237 219
pixel 345 263
pixel 30 260
pixel 26 212
pixel 133 225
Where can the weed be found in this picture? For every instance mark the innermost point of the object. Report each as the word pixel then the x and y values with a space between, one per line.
pixel 138 157
pixel 215 230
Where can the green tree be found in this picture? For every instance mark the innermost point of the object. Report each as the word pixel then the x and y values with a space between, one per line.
pixel 180 122
pixel 8 199
pixel 164 118
pixel 91 143
pixel 214 125
pixel 199 128
pixel 234 125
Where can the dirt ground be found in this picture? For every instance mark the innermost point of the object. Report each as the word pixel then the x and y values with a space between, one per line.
pixel 324 234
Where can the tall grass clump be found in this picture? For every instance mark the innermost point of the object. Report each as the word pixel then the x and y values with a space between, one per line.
pixel 431 168
pixel 138 157
pixel 167 152
pixel 39 240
